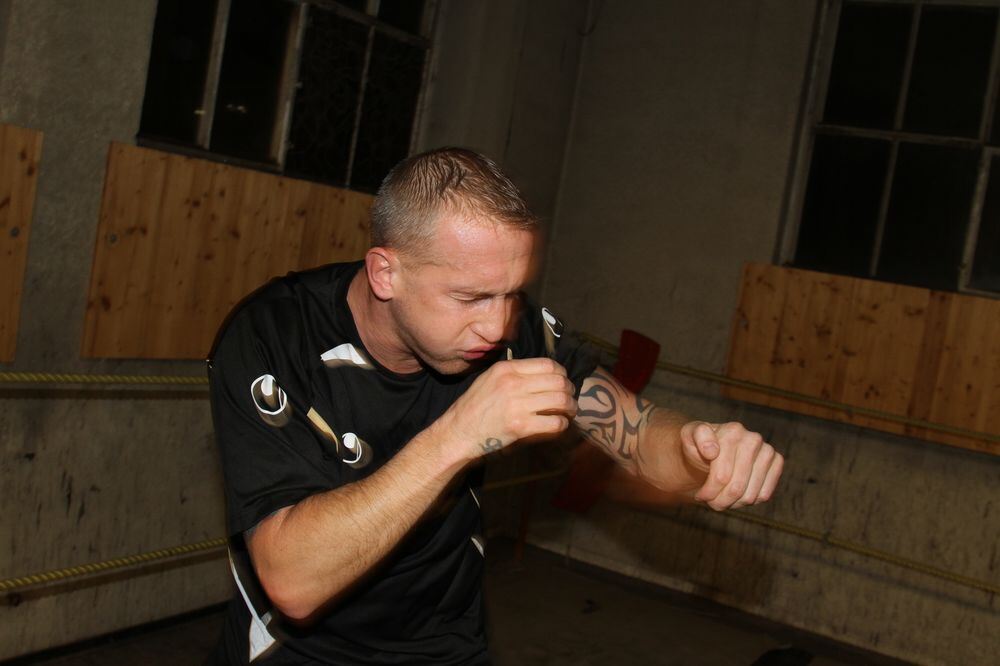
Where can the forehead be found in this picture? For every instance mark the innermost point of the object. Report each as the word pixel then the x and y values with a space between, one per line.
pixel 481 254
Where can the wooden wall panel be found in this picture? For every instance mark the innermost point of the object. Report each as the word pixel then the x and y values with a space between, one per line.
pixel 929 355
pixel 182 240
pixel 20 153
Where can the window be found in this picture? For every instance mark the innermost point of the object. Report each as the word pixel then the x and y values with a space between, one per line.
pixel 899 176
pixel 315 89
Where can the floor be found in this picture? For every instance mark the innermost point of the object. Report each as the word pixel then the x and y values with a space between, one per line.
pixel 544 611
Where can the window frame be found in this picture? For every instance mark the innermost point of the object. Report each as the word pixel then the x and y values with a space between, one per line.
pixel 815 87
pixel 289 82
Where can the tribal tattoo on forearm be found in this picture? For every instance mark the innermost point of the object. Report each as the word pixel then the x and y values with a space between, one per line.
pixel 609 417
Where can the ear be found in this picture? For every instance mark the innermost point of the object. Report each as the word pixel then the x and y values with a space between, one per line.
pixel 381 266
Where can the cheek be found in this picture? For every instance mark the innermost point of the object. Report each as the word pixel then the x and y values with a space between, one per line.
pixel 439 323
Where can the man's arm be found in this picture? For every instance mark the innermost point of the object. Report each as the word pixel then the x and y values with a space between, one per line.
pixel 723 465
pixel 308 554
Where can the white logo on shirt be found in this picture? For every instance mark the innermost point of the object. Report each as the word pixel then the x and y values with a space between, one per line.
pixel 271 401
pixel 351 449
pixel 345 354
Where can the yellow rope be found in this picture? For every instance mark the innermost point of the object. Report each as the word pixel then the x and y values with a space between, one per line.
pixel 867 551
pixel 70 378
pixel 12 584
pixel 852 410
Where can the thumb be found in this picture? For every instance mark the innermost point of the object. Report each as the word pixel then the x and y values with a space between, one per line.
pixel 705 441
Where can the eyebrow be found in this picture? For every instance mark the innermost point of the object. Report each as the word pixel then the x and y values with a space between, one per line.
pixel 477 293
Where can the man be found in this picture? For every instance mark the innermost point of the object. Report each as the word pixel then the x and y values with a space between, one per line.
pixel 351 401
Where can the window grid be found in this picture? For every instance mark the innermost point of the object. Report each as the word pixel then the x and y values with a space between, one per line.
pixel 812 124
pixel 200 147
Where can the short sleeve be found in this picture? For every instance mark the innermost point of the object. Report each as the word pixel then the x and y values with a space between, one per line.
pixel 542 333
pixel 270 455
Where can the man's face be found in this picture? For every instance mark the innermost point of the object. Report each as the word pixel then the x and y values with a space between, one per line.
pixel 455 307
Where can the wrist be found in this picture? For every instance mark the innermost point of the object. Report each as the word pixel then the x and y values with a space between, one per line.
pixel 438 445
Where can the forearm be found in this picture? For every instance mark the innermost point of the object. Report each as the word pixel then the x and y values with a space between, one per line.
pixel 659 454
pixel 642 438
pixel 310 553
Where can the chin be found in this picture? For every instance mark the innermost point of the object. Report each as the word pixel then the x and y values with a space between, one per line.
pixel 454 367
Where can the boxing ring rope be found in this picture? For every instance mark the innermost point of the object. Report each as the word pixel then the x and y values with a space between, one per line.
pixel 64 378
pixel 93 380
pixel 217 547
pixel 851 410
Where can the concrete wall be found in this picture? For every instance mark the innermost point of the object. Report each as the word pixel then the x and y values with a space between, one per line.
pixel 88 478
pixel 502 83
pixel 675 175
pixel 97 476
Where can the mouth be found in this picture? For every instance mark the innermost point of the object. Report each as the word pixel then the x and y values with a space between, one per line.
pixel 479 352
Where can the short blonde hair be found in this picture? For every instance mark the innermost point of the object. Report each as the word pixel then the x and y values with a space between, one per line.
pixel 418 189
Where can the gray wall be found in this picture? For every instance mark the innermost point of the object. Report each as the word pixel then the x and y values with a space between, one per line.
pixel 103 476
pixel 502 83
pixel 675 175
pixel 106 475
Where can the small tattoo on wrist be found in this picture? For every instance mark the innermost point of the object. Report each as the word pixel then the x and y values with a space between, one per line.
pixel 490 445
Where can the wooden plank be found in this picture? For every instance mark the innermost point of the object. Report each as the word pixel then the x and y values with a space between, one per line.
pixel 881 349
pixel 903 350
pixel 965 374
pixel 219 269
pixel 20 154
pixel 192 238
pixel 340 229
pixel 757 326
pixel 120 285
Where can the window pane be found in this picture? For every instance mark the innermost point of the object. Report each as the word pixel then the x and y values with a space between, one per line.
pixel 250 79
pixel 950 68
pixel 178 61
pixel 356 5
pixel 403 14
pixel 928 215
pixel 994 137
pixel 986 265
pixel 868 62
pixel 394 76
pixel 333 54
pixel 842 204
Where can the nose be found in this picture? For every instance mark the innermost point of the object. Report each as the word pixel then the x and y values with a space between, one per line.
pixel 491 325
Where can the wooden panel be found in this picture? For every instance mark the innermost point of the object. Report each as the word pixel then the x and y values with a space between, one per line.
pixel 182 240
pixel 20 152
pixel 929 355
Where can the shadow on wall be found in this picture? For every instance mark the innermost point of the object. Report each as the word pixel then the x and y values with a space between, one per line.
pixel 717 561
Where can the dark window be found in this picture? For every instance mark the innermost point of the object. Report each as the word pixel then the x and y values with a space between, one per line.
pixel 249 82
pixel 178 62
pixel 841 211
pixel 316 89
pixel 900 144
pixel 326 103
pixel 388 110
pixel 403 14
pixel 950 68
pixel 868 64
pixel 928 215
pixel 986 265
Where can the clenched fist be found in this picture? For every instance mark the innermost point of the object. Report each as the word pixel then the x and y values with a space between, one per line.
pixel 512 400
pixel 742 468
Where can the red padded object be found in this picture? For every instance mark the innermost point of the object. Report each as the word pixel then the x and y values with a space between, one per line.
pixel 591 469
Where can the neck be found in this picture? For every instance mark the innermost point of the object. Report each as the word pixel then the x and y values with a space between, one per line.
pixel 377 328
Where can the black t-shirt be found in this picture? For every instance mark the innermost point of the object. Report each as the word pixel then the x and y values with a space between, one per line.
pixel 300 407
